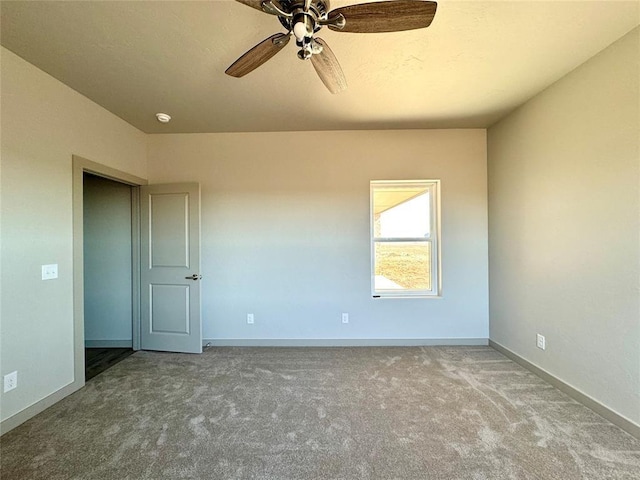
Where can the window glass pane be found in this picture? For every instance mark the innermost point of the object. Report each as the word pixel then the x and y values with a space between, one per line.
pixel 402 266
pixel 401 212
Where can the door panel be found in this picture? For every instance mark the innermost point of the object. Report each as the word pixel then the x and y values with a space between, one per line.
pixel 170 268
pixel 169 309
pixel 169 230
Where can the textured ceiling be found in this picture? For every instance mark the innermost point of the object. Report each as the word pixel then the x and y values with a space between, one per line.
pixel 477 61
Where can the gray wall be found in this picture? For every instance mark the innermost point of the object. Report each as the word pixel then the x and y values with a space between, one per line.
pixel 107 262
pixel 564 234
pixel 43 124
pixel 285 229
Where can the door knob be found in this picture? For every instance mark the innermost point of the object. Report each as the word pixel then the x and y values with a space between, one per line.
pixel 195 276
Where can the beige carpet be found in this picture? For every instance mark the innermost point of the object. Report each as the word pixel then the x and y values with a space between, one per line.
pixel 319 413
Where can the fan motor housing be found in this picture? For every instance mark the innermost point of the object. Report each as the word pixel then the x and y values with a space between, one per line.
pixel 317 10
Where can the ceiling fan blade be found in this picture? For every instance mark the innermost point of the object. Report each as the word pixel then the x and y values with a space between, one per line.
pixel 328 68
pixel 258 55
pixel 387 16
pixel 257 4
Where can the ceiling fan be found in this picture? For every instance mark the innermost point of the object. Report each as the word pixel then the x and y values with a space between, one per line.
pixel 304 18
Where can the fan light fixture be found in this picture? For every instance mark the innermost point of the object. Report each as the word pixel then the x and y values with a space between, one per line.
pixel 303 28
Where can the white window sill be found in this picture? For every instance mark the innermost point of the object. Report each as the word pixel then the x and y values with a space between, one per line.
pixel 386 297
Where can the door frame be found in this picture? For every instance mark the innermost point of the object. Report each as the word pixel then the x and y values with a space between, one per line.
pixel 80 167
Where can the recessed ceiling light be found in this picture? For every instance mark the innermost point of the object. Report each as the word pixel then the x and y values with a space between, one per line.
pixel 163 117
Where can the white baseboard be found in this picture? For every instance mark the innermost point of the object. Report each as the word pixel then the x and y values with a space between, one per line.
pixel 342 342
pixel 108 343
pixel 32 410
pixel 619 420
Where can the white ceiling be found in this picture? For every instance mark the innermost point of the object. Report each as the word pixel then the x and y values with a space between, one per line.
pixel 476 62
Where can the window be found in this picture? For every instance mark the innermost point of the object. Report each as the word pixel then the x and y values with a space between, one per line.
pixel 405 238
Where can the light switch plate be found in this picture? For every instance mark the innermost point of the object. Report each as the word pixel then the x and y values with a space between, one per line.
pixel 49 272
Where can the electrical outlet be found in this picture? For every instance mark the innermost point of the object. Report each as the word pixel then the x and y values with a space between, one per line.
pixel 49 272
pixel 250 318
pixel 541 342
pixel 345 318
pixel 10 381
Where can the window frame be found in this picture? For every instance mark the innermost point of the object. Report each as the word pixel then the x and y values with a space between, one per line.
pixel 433 186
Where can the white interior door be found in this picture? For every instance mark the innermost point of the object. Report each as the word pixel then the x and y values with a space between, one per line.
pixel 170 268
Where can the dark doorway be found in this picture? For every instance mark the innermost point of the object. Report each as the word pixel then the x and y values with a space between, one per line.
pixel 97 360
pixel 107 245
